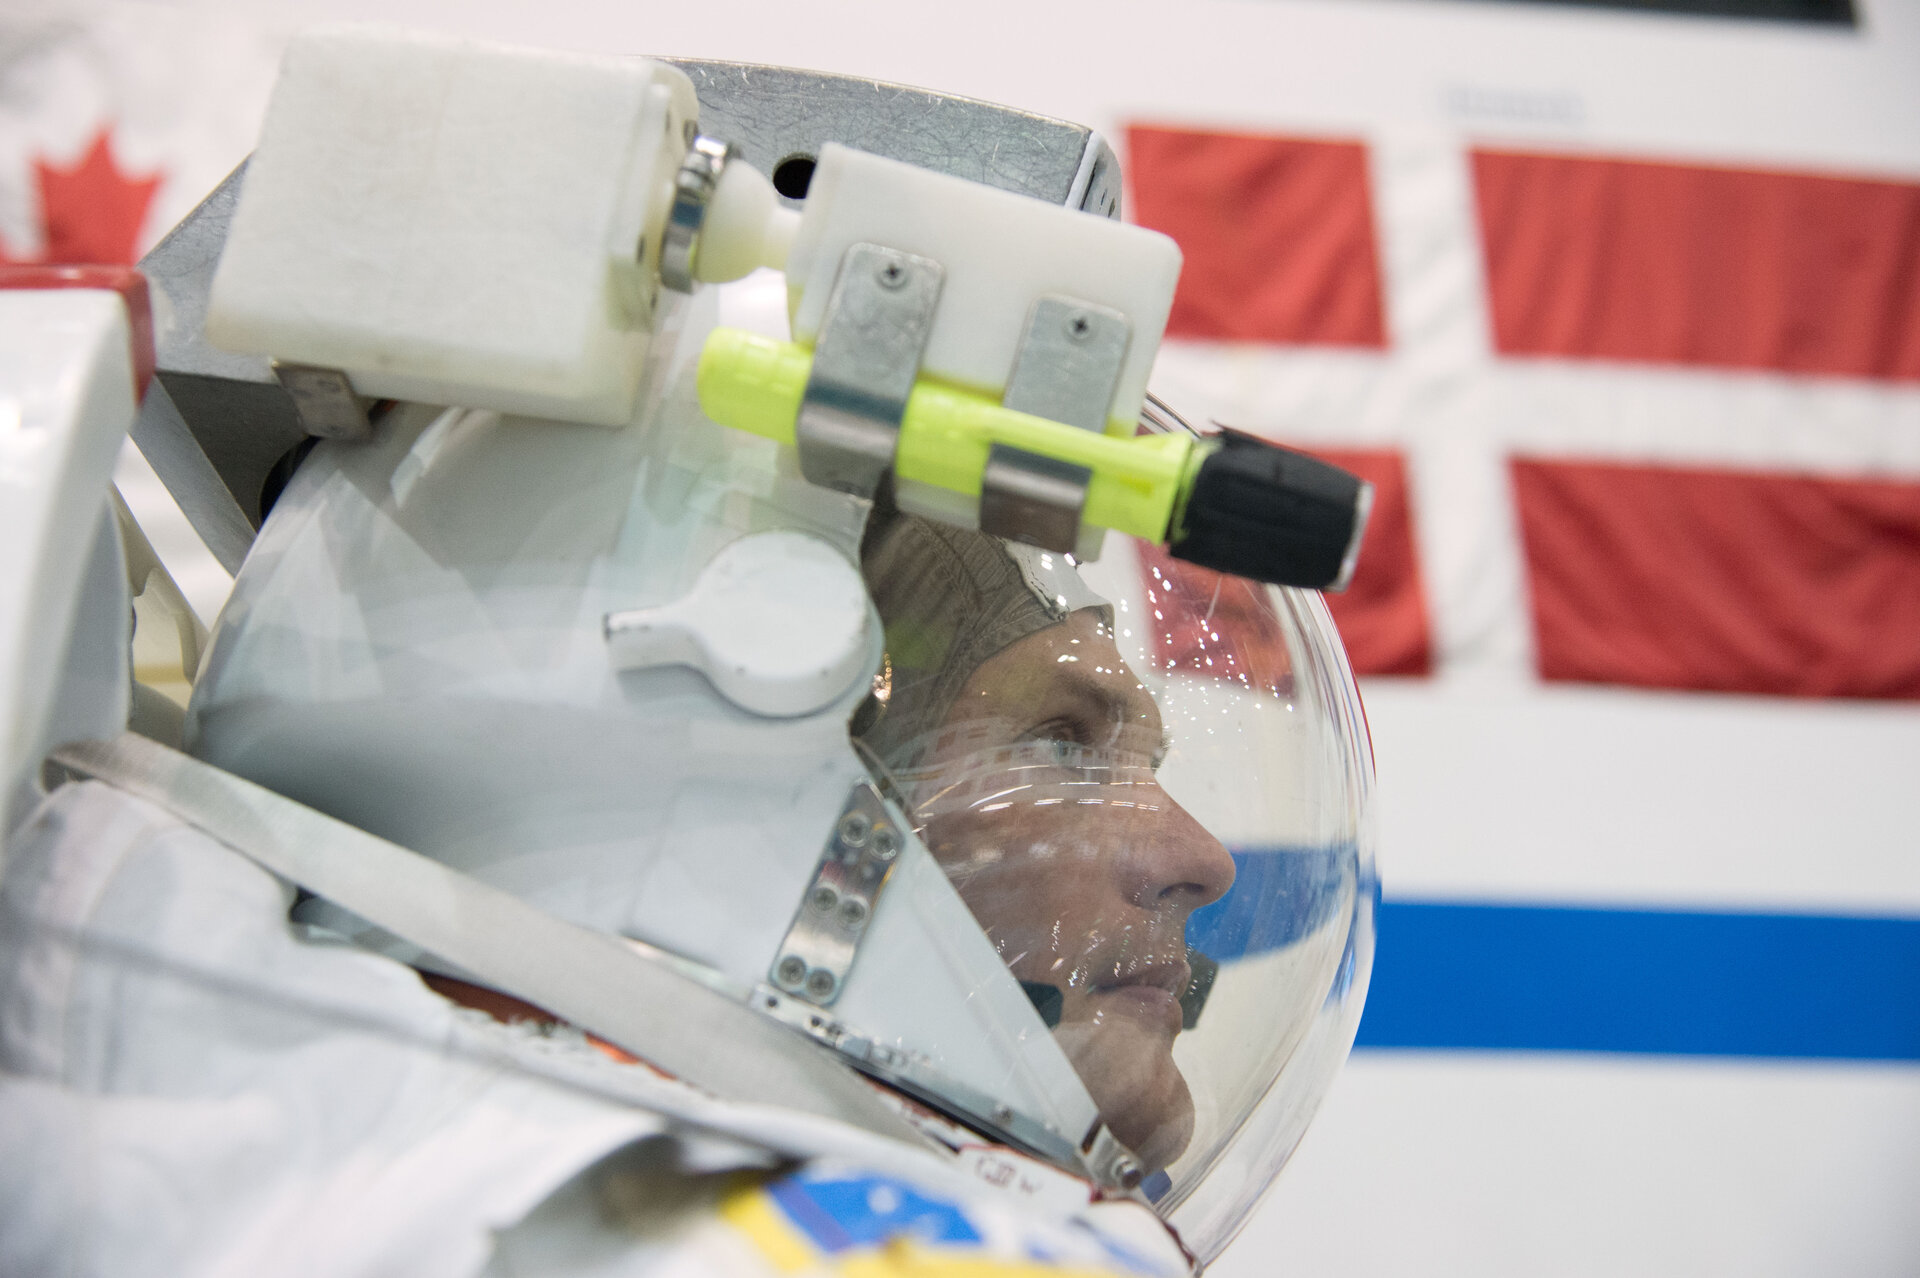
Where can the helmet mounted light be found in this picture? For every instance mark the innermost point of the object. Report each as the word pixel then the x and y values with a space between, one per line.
pixel 616 638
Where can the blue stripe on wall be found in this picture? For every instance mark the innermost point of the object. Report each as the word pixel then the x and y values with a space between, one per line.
pixel 1542 978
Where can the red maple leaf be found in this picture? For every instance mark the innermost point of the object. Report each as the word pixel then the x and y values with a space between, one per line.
pixel 90 213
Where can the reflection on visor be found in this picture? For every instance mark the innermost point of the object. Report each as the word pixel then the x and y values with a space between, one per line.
pixel 1128 772
pixel 1047 999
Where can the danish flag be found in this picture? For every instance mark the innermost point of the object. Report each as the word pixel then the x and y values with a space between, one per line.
pixel 1630 421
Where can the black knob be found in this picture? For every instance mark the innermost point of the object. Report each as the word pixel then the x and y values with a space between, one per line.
pixel 1266 512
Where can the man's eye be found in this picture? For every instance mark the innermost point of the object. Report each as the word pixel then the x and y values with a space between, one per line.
pixel 1067 753
pixel 1063 744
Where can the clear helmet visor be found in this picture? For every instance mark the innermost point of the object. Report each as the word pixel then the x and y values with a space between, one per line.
pixel 1149 783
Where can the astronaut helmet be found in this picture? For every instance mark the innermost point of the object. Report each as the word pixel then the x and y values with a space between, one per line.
pixel 1070 842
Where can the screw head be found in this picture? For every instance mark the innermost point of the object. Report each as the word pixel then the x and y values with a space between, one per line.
pixel 1079 326
pixel 1127 1173
pixel 854 829
pixel 885 843
pixel 1003 1114
pixel 820 982
pixel 792 970
pixel 892 276
pixel 853 911
pixel 824 898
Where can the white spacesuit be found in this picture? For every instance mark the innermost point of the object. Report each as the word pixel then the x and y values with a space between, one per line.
pixel 730 754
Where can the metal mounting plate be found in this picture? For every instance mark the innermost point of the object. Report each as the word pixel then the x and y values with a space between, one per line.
pixel 1070 358
pixel 864 364
pixel 820 945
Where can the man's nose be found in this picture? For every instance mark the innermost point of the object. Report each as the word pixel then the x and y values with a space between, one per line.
pixel 1173 862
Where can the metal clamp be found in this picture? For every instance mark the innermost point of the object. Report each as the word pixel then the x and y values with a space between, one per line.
pixel 693 188
pixel 1069 362
pixel 865 359
pixel 839 900
pixel 1030 498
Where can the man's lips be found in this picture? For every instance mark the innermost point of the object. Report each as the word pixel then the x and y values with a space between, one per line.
pixel 1171 975
pixel 1152 991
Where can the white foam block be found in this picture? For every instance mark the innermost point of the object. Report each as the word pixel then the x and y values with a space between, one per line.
pixel 456 223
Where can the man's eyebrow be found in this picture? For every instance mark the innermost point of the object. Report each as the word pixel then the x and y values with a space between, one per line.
pixel 1118 702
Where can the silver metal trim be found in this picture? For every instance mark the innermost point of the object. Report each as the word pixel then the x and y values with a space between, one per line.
pixel 1350 558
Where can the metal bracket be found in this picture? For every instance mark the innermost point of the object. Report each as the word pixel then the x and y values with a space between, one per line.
pixel 819 948
pixel 324 401
pixel 864 363
pixel 1069 362
pixel 693 188
pixel 1030 498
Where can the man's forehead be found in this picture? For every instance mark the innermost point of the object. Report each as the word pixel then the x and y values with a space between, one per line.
pixel 1076 661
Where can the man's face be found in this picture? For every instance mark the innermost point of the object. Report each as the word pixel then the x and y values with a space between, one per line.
pixel 1039 799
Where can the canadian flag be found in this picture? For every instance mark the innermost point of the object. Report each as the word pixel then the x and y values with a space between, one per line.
pixel 115 123
pixel 89 212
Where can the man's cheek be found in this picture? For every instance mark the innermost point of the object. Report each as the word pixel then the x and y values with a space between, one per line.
pixel 1026 932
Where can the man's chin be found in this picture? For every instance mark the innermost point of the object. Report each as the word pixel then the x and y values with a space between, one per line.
pixel 1128 1068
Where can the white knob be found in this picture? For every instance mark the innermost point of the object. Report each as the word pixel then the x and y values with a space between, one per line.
pixel 778 622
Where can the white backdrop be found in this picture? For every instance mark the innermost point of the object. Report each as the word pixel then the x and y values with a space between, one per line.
pixel 1493 786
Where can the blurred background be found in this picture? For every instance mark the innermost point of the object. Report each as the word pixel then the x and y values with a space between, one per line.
pixel 1619 307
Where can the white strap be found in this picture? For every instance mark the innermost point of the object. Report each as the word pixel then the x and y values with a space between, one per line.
pixel 587 978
